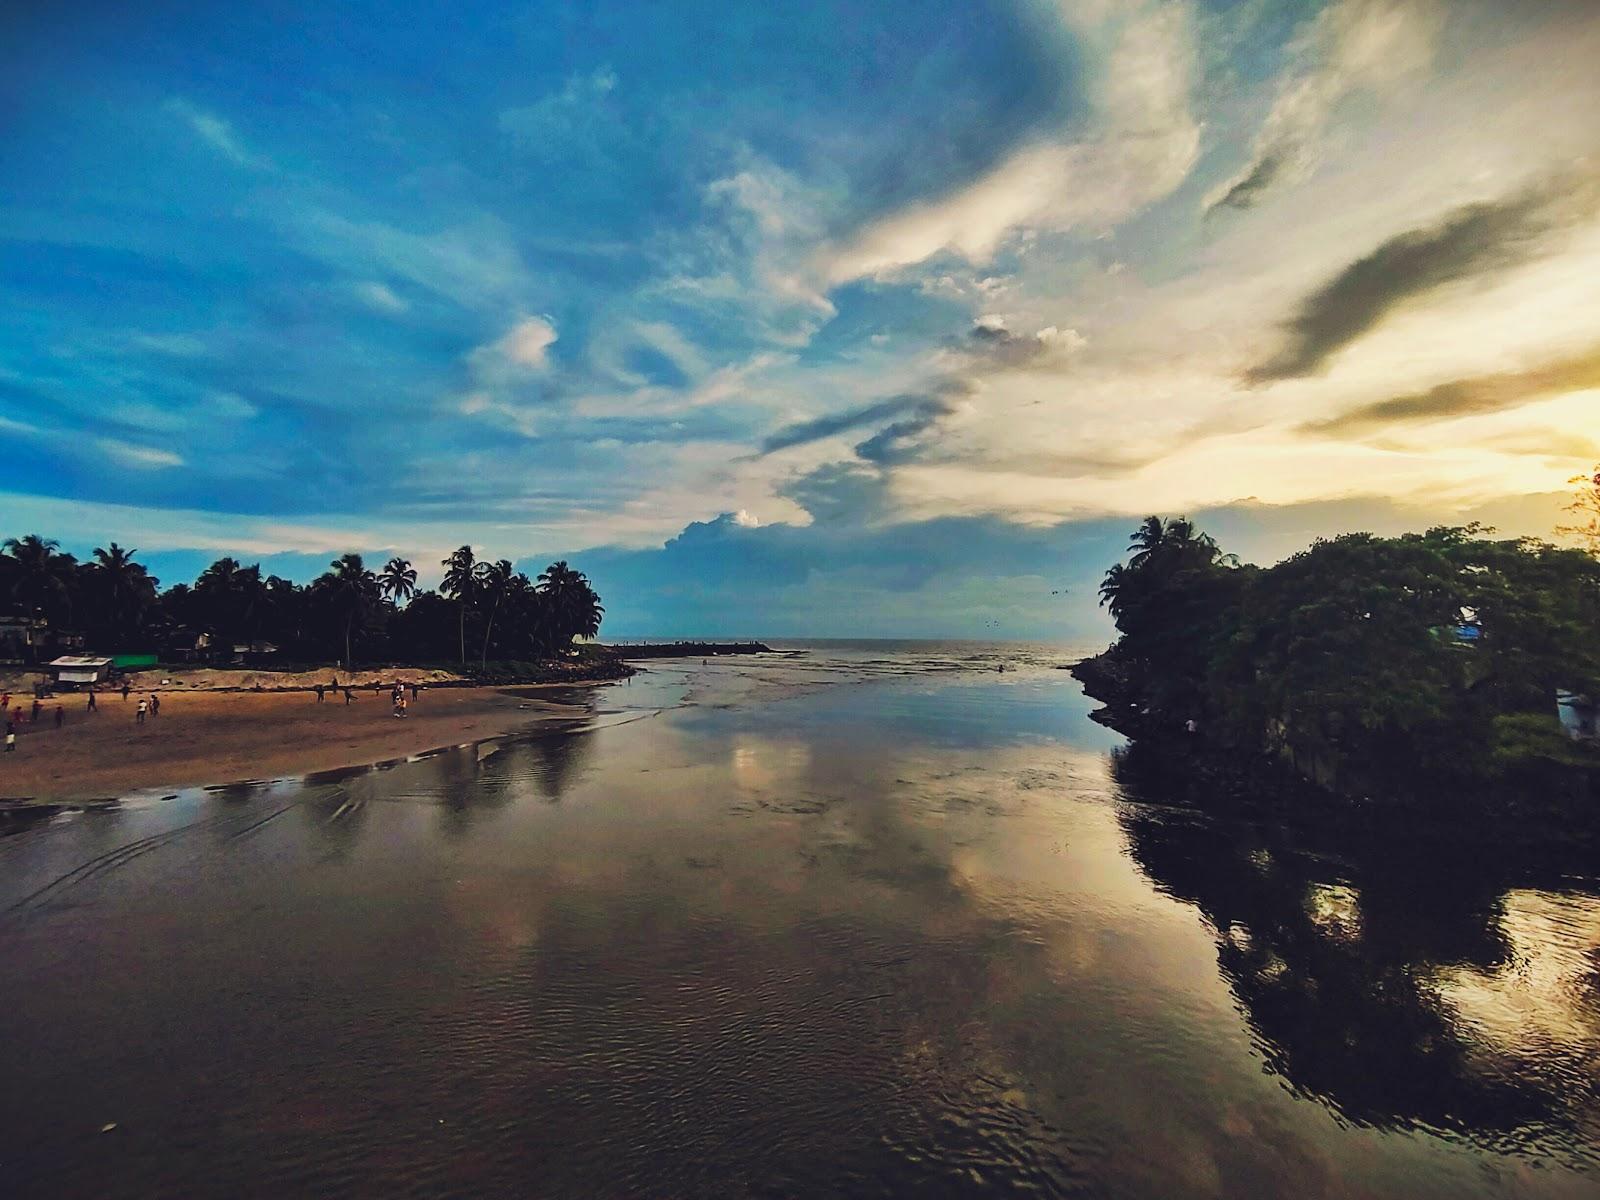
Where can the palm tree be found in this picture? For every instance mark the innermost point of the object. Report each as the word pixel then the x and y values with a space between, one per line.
pixel 460 584
pixel 126 588
pixel 230 599
pixel 1112 597
pixel 42 574
pixel 492 580
pixel 574 607
pixel 398 579
pixel 354 590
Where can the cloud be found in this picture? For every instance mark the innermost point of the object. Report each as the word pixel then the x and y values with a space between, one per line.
pixel 219 135
pixel 1473 240
pixel 1468 397
pixel 999 344
pixel 560 115
pixel 528 343
pixel 1141 143
pixel 380 298
pixel 805 432
pixel 1352 45
pixel 903 440
pixel 144 458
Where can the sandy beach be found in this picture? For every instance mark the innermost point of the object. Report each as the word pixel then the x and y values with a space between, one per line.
pixel 213 737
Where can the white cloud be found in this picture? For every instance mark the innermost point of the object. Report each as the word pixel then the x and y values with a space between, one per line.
pixel 232 406
pixel 1352 45
pixel 1141 143
pixel 218 134
pixel 144 458
pixel 379 297
pixel 560 114
pixel 528 343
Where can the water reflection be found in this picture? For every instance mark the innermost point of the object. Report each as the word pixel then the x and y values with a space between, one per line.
pixel 891 939
pixel 1395 982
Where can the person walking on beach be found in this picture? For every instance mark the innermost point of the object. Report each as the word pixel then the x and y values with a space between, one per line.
pixel 349 697
pixel 5 704
pixel 36 707
pixel 93 705
pixel 11 738
pixel 138 717
pixel 155 704
pixel 413 692
pixel 318 690
pixel 126 688
pixel 61 716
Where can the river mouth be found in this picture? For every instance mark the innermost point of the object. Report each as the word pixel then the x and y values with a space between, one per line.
pixel 869 921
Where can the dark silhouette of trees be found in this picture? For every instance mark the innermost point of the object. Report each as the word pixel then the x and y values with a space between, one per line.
pixel 353 593
pixel 121 594
pixel 1349 661
pixel 398 580
pixel 461 585
pixel 1585 510
pixel 574 607
pixel 346 612
pixel 41 577
pixel 492 580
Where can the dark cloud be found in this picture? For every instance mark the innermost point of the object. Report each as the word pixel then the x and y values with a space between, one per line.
pixel 841 493
pixel 805 432
pixel 991 343
pixel 1247 192
pixel 1474 240
pixel 901 441
pixel 1465 397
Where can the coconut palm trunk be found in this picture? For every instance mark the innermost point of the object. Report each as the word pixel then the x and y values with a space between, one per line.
pixel 483 659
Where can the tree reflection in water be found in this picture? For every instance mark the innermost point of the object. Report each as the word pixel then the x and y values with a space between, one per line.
pixel 1339 944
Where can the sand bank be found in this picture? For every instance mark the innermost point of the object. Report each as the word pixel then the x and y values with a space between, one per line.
pixel 207 737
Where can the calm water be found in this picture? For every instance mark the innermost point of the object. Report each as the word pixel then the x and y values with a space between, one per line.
pixel 871 920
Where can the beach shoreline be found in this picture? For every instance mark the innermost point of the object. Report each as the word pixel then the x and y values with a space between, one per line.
pixel 215 737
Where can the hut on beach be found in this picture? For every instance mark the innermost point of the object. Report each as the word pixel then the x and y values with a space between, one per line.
pixel 76 669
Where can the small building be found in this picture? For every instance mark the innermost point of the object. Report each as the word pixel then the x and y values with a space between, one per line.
pixel 78 669
pixel 1580 716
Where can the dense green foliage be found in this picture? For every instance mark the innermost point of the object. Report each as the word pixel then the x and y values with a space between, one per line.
pixel 1405 665
pixel 348 612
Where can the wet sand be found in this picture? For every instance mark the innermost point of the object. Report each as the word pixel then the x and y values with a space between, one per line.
pixel 225 737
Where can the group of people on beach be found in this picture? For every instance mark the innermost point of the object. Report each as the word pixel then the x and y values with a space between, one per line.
pixel 397 693
pixel 15 718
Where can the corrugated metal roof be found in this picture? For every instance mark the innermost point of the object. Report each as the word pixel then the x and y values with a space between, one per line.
pixel 77 660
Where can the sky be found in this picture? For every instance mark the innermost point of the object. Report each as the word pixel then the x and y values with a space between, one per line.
pixel 850 319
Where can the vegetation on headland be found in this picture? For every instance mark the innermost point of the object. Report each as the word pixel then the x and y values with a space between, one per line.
pixel 484 612
pixel 1416 669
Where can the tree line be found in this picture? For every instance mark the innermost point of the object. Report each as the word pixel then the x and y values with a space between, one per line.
pixel 483 609
pixel 1412 665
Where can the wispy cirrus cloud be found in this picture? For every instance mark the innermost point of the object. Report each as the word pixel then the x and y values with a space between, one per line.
pixel 1474 240
pixel 1467 397
pixel 1138 144
pixel 1351 45
pixel 219 135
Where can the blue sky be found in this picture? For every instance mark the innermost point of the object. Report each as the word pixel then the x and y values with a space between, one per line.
pixel 817 319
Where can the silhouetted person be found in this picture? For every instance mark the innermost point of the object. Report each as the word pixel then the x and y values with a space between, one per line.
pixel 11 738
pixel 155 705
pixel 318 690
pixel 61 716
pixel 34 717
pixel 94 703
pixel 349 697
pixel 126 688
pixel 413 692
